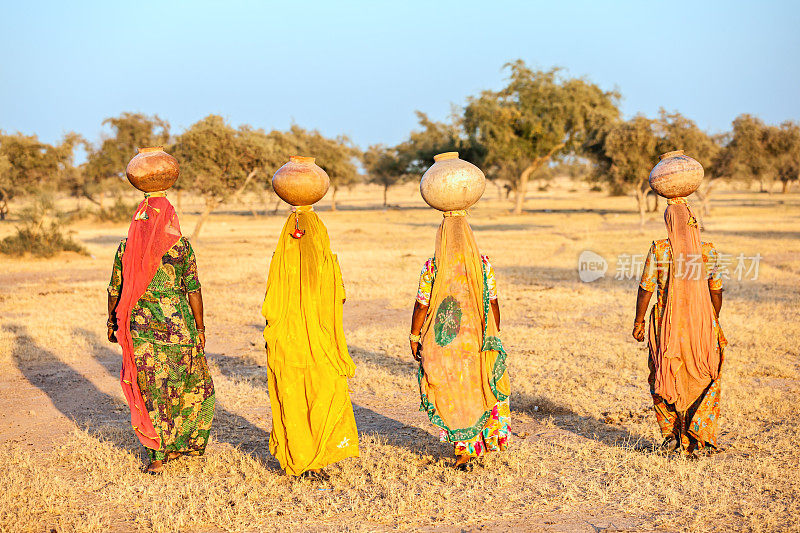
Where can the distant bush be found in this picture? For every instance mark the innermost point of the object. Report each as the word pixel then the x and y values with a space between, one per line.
pixel 121 211
pixel 40 234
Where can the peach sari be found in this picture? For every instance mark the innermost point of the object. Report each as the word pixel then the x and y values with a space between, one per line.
pixel 685 347
pixel 463 373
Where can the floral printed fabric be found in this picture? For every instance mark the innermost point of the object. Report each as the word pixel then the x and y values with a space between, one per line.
pixel 429 272
pixel 659 258
pixel 698 425
pixel 494 437
pixel 496 432
pixel 172 372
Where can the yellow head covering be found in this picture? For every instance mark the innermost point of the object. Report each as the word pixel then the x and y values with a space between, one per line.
pixel 307 359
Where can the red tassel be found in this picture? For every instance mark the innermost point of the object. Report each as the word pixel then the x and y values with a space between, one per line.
pixel 297 233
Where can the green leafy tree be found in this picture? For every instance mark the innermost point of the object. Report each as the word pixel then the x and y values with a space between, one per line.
pixel 538 116
pixel 28 165
pixel 433 138
pixel 784 148
pixel 385 167
pixel 677 132
pixel 632 147
pixel 219 161
pixel 104 169
pixel 337 156
pixel 747 154
pixel 5 185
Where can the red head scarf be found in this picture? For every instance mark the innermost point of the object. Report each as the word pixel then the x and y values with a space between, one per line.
pixel 153 231
pixel 686 359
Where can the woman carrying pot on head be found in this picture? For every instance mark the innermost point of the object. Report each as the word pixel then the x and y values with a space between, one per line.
pixel 308 364
pixel 155 310
pixel 455 326
pixel 685 341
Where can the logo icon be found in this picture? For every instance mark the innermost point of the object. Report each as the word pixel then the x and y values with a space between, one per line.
pixel 591 266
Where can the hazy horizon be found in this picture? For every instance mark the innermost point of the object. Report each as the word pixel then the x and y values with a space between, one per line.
pixel 362 69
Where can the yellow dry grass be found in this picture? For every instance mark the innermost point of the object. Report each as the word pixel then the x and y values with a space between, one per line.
pixel 69 462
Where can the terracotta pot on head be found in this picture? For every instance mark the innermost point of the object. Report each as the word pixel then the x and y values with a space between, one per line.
pixel 300 181
pixel 452 184
pixel 152 170
pixel 676 175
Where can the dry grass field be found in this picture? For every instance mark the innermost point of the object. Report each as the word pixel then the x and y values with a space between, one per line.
pixel 581 459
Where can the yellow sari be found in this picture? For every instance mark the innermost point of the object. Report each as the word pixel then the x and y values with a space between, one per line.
pixel 307 359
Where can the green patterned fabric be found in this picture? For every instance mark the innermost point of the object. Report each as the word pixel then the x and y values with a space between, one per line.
pixel 447 321
pixel 172 372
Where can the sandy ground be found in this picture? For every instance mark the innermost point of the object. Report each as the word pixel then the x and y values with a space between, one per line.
pixel 581 459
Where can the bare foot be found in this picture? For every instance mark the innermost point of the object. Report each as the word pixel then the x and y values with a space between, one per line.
pixel 171 456
pixel 155 468
pixel 463 462
pixel 315 475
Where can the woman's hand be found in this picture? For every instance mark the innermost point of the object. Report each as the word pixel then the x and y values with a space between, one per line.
pixel 201 336
pixel 638 331
pixel 112 334
pixel 415 351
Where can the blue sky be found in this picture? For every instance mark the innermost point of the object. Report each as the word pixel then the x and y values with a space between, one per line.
pixel 362 68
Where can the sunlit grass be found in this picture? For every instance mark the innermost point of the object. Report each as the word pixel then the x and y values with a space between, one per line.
pixel 573 366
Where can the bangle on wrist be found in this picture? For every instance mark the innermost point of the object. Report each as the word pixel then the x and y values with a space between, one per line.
pixel 200 329
pixel 414 338
pixel 635 323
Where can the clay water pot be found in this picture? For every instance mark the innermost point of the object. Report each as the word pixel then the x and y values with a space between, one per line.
pixel 452 183
pixel 676 175
pixel 152 169
pixel 300 181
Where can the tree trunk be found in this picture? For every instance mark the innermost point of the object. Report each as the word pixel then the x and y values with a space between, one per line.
pixel 385 195
pixel 333 199
pixel 211 204
pixel 522 188
pixel 244 185
pixel 641 200
pixel 178 203
pixel 3 204
pixel 704 194
pixel 655 202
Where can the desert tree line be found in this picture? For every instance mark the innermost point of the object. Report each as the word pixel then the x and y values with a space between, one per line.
pixel 541 123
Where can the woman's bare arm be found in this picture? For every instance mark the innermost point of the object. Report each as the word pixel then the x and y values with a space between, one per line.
pixel 417 319
pixel 496 312
pixel 716 300
pixel 642 301
pixel 196 303
pixel 112 318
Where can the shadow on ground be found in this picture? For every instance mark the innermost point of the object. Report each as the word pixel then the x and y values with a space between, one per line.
pixel 368 421
pixel 588 427
pixel 228 427
pixel 75 396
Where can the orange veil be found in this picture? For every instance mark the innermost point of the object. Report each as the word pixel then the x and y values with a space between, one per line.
pixel 686 355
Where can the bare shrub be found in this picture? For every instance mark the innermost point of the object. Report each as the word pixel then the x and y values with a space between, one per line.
pixel 41 233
